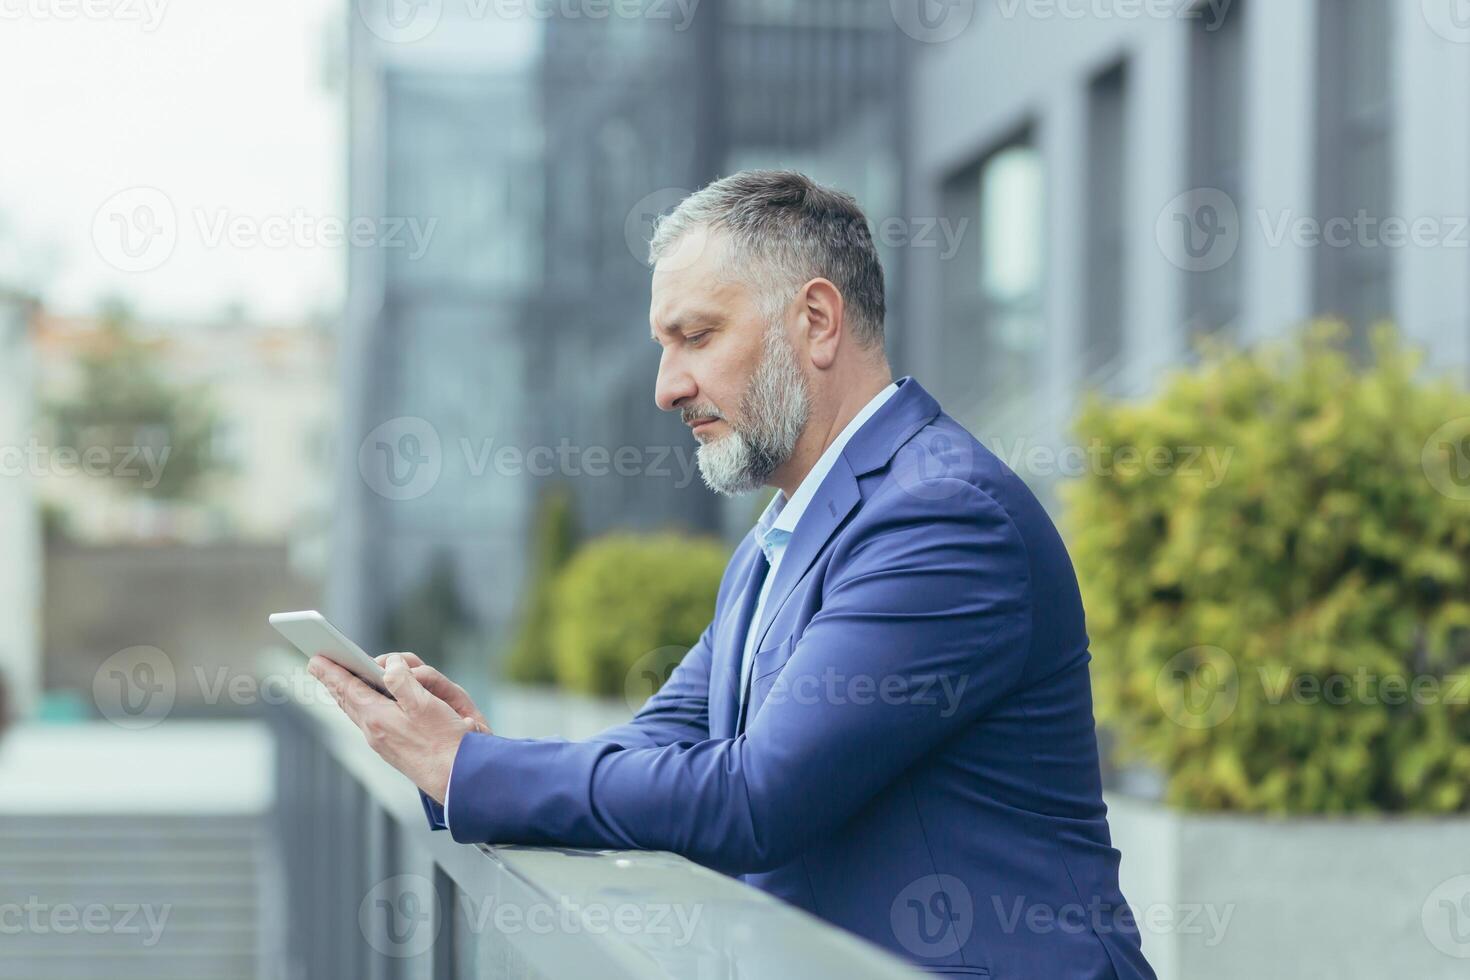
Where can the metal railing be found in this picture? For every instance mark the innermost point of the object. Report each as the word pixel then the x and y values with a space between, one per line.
pixel 371 892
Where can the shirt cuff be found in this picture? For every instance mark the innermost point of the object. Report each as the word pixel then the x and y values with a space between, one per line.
pixel 448 783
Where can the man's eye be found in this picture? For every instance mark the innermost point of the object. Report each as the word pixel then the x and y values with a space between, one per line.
pixel 698 339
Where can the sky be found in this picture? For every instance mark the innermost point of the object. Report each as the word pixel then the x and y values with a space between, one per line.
pixel 220 121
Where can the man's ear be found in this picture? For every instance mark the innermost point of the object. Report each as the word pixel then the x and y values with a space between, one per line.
pixel 821 312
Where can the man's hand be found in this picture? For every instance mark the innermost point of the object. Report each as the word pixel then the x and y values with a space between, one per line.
pixel 418 734
pixel 441 687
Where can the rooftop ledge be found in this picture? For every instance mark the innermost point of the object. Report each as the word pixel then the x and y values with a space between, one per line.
pixel 592 902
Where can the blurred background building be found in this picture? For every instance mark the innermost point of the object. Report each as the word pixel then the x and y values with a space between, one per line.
pixel 268 394
pixel 188 460
pixel 1068 197
pixel 522 324
pixel 1138 180
pixel 1081 199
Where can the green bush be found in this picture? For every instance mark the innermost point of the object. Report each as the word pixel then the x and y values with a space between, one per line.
pixel 624 596
pixel 123 398
pixel 553 541
pixel 1285 629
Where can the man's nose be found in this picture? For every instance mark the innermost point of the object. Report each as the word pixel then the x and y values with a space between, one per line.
pixel 673 387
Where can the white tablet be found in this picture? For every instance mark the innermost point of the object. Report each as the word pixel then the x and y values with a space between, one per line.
pixel 309 632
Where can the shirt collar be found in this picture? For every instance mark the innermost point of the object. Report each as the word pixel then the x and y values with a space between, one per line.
pixel 778 520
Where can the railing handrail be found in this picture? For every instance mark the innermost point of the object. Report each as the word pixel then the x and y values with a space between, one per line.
pixel 729 929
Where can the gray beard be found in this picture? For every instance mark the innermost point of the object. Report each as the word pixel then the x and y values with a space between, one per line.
pixel 773 412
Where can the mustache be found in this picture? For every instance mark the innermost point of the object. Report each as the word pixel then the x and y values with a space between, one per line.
pixel 690 413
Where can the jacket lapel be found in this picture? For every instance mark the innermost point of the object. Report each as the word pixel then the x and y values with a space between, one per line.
pixel 834 500
pixel 872 447
pixel 724 680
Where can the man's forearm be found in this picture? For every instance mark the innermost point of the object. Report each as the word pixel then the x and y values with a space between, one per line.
pixel 689 799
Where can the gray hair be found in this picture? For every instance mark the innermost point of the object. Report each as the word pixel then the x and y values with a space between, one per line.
pixel 791 229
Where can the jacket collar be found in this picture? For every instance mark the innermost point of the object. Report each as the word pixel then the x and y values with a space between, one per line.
pixel 874 445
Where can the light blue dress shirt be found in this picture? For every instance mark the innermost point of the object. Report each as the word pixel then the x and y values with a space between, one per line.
pixel 777 523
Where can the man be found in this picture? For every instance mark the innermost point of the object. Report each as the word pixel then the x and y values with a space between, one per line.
pixel 889 721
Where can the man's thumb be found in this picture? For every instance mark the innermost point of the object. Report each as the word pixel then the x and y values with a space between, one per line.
pixel 401 683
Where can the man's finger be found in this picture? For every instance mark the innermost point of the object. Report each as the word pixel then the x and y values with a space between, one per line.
pixel 404 686
pixel 436 683
pixel 351 694
pixel 413 659
pixel 451 694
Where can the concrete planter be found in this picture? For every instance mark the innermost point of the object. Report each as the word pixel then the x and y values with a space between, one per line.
pixel 1221 896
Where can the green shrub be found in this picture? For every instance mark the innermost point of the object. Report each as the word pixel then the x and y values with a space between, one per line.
pixel 554 538
pixel 624 596
pixel 1284 630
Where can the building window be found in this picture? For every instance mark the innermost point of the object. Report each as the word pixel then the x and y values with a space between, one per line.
pixel 1216 153
pixel 1106 187
pixel 992 293
pixel 467 151
pixel 1354 150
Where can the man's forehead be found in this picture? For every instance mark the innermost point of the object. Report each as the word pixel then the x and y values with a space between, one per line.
pixel 679 301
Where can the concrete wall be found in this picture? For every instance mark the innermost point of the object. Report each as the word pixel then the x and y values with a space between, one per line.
pixel 1220 896
pixel 203 608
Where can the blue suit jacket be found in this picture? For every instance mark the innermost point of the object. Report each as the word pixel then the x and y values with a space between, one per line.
pixel 916 761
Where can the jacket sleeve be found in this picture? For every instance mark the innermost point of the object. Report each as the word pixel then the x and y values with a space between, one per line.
pixel 677 712
pixel 433 811
pixel 924 625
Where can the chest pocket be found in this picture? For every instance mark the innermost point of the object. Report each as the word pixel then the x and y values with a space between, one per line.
pixel 765 669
